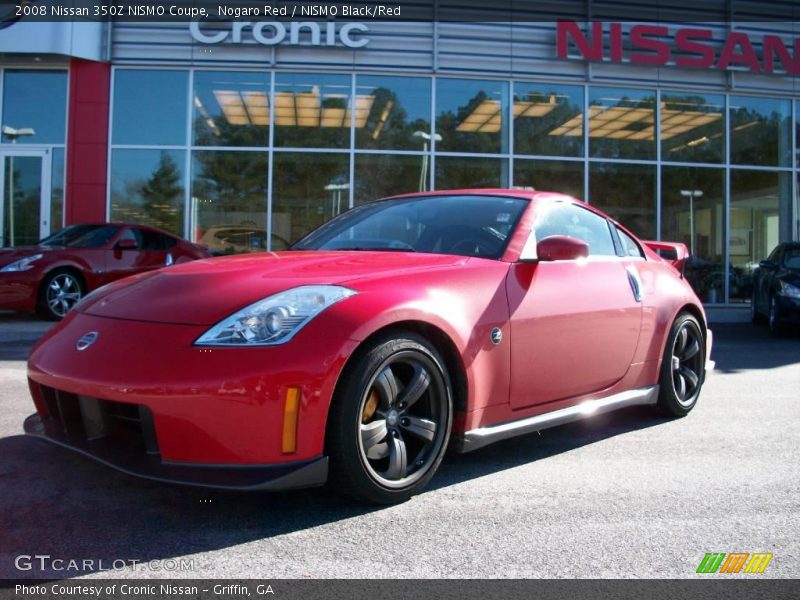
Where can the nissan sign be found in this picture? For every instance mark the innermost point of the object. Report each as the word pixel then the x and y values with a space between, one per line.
pixel 690 47
pixel 273 33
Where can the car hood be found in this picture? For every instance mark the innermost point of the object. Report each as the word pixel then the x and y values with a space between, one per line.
pixel 205 292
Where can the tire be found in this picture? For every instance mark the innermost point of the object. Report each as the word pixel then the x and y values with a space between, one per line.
pixel 755 316
pixel 774 318
pixel 682 368
pixel 61 290
pixel 390 420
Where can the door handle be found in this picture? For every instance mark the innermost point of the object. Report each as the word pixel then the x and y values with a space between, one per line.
pixel 635 282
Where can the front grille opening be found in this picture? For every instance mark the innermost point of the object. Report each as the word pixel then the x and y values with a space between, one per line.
pixel 120 426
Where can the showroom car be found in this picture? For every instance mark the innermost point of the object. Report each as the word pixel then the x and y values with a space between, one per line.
pixel 401 328
pixel 54 275
pixel 776 288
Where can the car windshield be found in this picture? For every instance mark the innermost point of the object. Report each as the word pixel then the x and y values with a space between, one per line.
pixel 791 258
pixel 82 236
pixel 465 225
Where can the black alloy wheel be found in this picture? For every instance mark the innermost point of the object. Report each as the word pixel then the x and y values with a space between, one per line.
pixel 683 367
pixel 390 420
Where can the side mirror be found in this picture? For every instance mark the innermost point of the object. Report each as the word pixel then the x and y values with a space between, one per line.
pixel 127 244
pixel 561 247
pixel 768 264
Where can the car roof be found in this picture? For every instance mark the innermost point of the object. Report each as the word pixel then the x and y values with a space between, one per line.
pixel 120 224
pixel 512 192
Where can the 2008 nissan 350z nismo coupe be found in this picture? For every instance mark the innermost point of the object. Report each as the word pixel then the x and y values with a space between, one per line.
pixel 393 331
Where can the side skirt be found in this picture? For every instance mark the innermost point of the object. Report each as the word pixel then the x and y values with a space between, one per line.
pixel 478 438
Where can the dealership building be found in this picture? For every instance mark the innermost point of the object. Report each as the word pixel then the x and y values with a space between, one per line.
pixel 245 135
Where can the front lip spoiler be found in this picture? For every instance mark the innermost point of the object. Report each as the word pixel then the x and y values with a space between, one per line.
pixel 278 477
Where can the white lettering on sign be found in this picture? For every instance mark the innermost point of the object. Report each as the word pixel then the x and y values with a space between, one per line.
pixel 273 33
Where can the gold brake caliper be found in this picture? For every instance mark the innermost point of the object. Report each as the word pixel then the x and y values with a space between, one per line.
pixel 370 406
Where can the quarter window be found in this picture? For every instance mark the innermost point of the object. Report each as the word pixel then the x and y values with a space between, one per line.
pixel 629 245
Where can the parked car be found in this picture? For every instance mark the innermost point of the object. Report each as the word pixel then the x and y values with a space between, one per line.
pixel 54 275
pixel 394 330
pixel 776 288
pixel 237 239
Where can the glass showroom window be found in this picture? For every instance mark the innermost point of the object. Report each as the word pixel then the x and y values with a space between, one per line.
pixel 149 107
pixel 760 131
pixel 312 110
pixel 627 193
pixel 147 186
pixel 455 172
pixel 622 123
pixel 561 176
pixel 392 113
pixel 379 175
pixel 35 100
pixel 758 222
pixel 471 116
pixel 548 119
pixel 693 212
pixel 308 189
pixel 228 205
pixel 57 171
pixel 692 127
pixel 795 233
pixel 231 108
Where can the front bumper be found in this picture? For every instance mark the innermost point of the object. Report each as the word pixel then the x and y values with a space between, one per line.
pixel 143 399
pixel 788 310
pixel 285 476
pixel 18 291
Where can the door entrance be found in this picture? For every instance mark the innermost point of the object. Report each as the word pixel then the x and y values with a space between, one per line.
pixel 24 196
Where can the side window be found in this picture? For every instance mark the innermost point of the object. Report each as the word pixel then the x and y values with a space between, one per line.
pixel 151 241
pixel 167 242
pixel 562 218
pixel 629 245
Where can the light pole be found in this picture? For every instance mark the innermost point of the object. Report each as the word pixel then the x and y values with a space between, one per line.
pixel 336 197
pixel 12 133
pixel 691 195
pixel 426 137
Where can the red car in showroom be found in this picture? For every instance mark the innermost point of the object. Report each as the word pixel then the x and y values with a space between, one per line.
pixel 393 331
pixel 54 275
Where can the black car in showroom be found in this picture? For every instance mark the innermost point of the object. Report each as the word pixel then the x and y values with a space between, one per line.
pixel 776 287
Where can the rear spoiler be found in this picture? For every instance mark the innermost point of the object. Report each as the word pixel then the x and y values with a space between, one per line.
pixel 672 252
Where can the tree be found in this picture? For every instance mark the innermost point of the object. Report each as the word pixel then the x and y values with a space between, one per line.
pixel 163 193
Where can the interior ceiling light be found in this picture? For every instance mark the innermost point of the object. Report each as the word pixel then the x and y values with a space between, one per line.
pixel 243 107
pixel 382 119
pixel 487 116
pixel 308 109
pixel 634 123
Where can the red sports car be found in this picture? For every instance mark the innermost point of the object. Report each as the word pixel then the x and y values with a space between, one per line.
pixel 54 275
pixel 394 330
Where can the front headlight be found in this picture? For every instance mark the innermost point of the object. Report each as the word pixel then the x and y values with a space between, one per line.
pixel 276 319
pixel 789 290
pixel 23 264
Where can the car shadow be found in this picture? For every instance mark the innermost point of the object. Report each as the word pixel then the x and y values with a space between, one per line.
pixel 56 503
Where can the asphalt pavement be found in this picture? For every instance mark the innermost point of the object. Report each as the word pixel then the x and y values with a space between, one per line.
pixel 628 494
